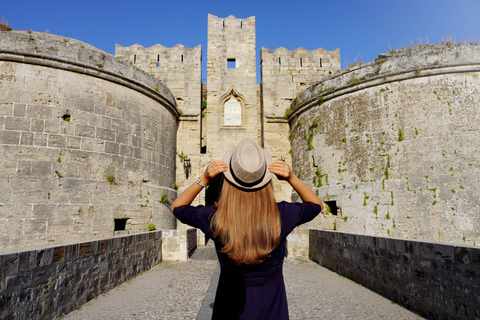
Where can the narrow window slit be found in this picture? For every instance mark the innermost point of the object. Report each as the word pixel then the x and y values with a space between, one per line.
pixel 134 59
pixel 320 62
pixel 279 62
pixel 158 61
pixel 182 59
pixel 301 62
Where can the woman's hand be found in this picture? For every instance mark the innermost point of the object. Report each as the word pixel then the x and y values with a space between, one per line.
pixel 283 172
pixel 281 169
pixel 214 171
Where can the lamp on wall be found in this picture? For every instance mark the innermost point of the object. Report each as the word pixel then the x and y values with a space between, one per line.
pixel 186 167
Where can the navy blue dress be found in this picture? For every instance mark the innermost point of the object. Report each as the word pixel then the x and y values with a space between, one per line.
pixel 255 291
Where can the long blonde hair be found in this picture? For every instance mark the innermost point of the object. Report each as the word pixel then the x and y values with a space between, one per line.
pixel 248 223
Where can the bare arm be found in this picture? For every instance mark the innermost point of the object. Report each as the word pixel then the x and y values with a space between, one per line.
pixel 283 172
pixel 212 173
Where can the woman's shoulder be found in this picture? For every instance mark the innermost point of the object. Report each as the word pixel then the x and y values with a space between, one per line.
pixel 284 205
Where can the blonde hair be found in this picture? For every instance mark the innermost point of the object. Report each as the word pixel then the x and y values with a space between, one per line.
pixel 248 223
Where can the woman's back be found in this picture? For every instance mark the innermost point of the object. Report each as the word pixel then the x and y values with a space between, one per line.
pixel 249 230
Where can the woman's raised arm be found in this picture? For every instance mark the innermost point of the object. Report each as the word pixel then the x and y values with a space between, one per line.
pixel 212 173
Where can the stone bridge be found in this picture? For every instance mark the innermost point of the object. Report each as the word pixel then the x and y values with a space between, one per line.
pixel 125 277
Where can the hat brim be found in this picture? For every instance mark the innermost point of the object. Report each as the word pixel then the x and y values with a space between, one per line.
pixel 266 177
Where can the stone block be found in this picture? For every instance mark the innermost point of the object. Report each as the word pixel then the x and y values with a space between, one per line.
pixel 6 109
pixel 39 112
pixel 15 227
pixel 44 211
pixel 41 167
pixel 15 123
pixel 56 141
pixel 105 134
pixel 44 256
pixel 18 280
pixel 444 252
pixel 26 138
pixel 86 105
pixel 52 126
pixel 19 110
pixel 27 260
pixel 40 140
pixel 10 266
pixel 37 125
pixel 84 130
pixel 35 226
pixel 112 147
pixel 67 128
pixel 73 142
pixel 10 137
pixel 92 145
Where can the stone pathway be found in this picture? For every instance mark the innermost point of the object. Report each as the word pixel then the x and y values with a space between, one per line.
pixel 184 290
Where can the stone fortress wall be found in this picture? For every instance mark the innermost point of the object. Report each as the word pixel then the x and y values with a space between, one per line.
pixel 285 74
pixel 86 140
pixel 237 107
pixel 180 69
pixel 394 145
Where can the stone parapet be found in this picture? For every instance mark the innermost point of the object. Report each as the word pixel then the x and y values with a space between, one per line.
pixel 436 280
pixel 47 283
pixel 179 244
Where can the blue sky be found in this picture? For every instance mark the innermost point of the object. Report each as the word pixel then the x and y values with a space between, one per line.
pixel 361 29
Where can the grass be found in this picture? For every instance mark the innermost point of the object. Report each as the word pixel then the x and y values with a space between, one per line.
pixel 111 178
pixel 164 197
pixel 4 25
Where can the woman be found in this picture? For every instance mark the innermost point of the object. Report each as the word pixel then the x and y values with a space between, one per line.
pixel 249 230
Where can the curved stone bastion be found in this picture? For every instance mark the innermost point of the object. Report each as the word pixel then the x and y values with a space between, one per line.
pixel 87 143
pixel 393 146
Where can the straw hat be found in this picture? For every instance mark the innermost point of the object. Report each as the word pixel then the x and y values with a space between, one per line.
pixel 248 165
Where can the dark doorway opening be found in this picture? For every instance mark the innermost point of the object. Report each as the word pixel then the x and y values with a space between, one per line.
pixel 333 207
pixel 120 224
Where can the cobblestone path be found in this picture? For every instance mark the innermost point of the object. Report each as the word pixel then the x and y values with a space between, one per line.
pixel 183 290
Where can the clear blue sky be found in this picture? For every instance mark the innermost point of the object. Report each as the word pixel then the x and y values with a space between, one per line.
pixel 362 29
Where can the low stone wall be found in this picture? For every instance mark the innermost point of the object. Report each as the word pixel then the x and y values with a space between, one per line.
pixel 179 244
pixel 50 282
pixel 438 281
pixel 297 244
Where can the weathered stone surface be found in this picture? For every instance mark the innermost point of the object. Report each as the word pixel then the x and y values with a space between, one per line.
pixel 51 282
pixel 426 281
pixel 59 148
pixel 395 144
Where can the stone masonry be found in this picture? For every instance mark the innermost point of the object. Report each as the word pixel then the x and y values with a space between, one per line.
pixel 87 143
pixel 285 74
pixel 236 106
pixel 392 145
pixel 49 282
pixel 438 281
pixel 180 69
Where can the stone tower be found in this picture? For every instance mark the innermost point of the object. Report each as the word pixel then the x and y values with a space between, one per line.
pixel 236 106
pixel 232 109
